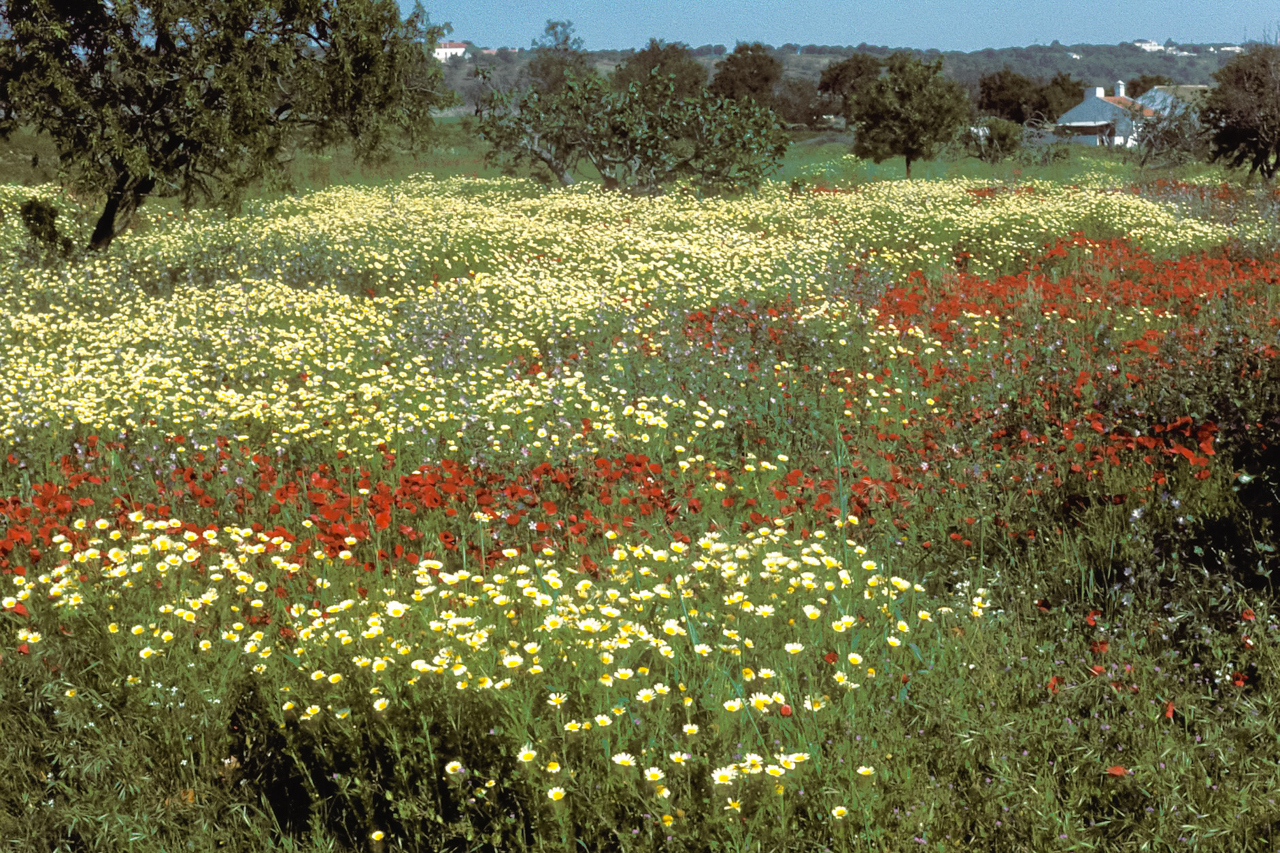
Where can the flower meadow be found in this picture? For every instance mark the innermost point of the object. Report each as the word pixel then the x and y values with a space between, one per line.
pixel 469 515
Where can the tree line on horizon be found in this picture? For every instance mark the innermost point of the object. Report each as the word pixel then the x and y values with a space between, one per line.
pixel 1096 65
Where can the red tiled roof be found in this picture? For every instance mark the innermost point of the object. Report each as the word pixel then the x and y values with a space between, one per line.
pixel 1128 104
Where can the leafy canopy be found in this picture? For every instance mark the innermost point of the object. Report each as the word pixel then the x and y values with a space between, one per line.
pixel 910 112
pixel 848 78
pixel 798 101
pixel 1018 98
pixel 1243 111
pixel 689 77
pixel 1010 96
pixel 202 98
pixel 557 55
pixel 1061 93
pixel 1143 83
pixel 751 71
pixel 638 139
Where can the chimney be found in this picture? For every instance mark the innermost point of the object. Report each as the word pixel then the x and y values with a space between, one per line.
pixel 1120 89
pixel 1098 92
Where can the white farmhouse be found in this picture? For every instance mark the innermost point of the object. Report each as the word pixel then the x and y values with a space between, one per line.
pixel 1102 120
pixel 446 50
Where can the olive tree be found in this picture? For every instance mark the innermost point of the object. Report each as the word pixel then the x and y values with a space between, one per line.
pixel 1242 112
pixel 911 111
pixel 637 139
pixel 848 78
pixel 202 98
pixel 671 60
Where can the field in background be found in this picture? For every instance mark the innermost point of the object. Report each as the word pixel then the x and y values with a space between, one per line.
pixel 439 512
pixel 457 152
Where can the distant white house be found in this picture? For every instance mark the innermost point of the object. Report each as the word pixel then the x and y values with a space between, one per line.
pixel 446 50
pixel 1155 47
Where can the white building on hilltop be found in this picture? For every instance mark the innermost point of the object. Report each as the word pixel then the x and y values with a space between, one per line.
pixel 446 50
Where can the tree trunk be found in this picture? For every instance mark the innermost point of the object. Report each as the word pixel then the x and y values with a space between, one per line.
pixel 553 163
pixel 562 174
pixel 908 168
pixel 123 200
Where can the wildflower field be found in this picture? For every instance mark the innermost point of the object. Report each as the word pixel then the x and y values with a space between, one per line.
pixel 460 514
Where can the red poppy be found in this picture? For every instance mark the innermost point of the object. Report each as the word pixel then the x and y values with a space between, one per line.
pixel 1097 669
pixel 1168 709
pixel 830 657
pixel 1099 647
pixel 1246 642
pixel 1248 614
pixel 1043 604
pixel 1117 770
pixel 1092 618
pixel 1053 684
pixel 785 710
pixel 1239 678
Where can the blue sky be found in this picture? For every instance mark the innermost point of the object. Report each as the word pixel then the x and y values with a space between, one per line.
pixel 943 24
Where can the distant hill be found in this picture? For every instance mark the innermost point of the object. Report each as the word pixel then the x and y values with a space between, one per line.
pixel 1092 64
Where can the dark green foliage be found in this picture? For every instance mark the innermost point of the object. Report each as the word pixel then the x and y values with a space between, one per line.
pixel 1098 64
pixel 638 139
pixel 1061 94
pixel 558 55
pixel 848 78
pixel 993 139
pixel 800 102
pixel 1243 111
pixel 203 99
pixel 1008 95
pixel 41 217
pixel 911 112
pixel 1143 83
pixel 689 77
pixel 751 71
pixel 1174 137
pixel 1018 98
